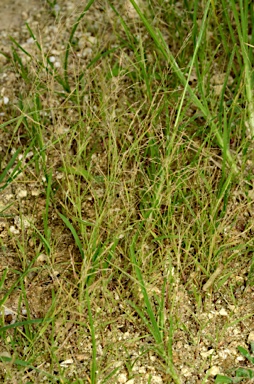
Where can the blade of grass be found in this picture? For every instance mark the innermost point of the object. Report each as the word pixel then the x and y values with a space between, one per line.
pixel 69 44
pixel 74 234
pixel 9 166
pixel 92 331
pixel 33 37
pixel 22 323
pixel 220 379
pixel 20 47
pixel 245 373
pixel 47 230
pixel 163 47
pixel 27 365
pixel 42 238
pixel 17 282
pixel 110 375
pixel 242 30
pixel 151 324
pixel 246 354
pixel 3 277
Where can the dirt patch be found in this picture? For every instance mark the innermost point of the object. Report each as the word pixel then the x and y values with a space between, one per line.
pixel 13 13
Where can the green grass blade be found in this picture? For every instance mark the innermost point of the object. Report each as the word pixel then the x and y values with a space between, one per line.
pixel 246 354
pixel 17 282
pixel 74 234
pixel 220 379
pixel 27 365
pixel 153 325
pixel 20 47
pixel 92 331
pixel 33 37
pixel 242 30
pixel 67 51
pixel 47 230
pixel 245 373
pixel 22 323
pixel 42 238
pixel 151 321
pixel 110 375
pixel 162 46
pixel 9 166
pixel 3 277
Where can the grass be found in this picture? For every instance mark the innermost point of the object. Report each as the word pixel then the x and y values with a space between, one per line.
pixel 138 165
pixel 241 373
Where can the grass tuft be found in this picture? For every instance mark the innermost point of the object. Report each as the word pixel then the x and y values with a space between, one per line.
pixel 126 183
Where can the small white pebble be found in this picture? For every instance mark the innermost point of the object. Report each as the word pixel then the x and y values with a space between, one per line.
pixel 24 15
pixel 52 59
pixel 207 353
pixel 19 223
pixel 224 353
pixel 213 371
pixel 41 258
pixel 29 154
pixel 92 40
pixel 7 312
pixel 14 230
pixel 9 196
pixel 30 40
pixel 56 9
pixel 223 312
pixel 117 296
pixel 156 380
pixel 99 350
pixel 240 358
pixel 21 194
pixel 6 100
pixel 87 52
pixel 251 337
pixel 122 378
pixel 67 362
pixel 35 192
pixel 186 372
pixel 59 175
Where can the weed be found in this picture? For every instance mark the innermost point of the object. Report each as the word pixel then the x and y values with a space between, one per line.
pixel 136 154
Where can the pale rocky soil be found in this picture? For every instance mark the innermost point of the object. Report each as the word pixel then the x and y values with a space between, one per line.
pixel 216 326
pixel 11 12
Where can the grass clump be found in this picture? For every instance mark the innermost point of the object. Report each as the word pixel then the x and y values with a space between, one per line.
pixel 241 373
pixel 135 150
